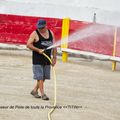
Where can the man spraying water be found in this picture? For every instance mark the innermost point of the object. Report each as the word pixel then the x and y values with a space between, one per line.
pixel 41 39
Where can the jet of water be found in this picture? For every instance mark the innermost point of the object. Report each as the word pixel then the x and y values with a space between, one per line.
pixel 92 30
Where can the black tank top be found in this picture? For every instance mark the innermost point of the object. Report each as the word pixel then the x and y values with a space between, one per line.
pixel 39 59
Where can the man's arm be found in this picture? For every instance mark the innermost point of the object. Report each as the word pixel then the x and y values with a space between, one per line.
pixel 54 52
pixel 30 42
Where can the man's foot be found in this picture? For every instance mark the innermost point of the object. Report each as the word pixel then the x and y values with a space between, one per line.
pixel 44 97
pixel 35 94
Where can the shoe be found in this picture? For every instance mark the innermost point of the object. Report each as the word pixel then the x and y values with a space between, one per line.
pixel 35 94
pixel 44 97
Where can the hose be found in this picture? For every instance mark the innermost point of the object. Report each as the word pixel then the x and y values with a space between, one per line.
pixel 55 90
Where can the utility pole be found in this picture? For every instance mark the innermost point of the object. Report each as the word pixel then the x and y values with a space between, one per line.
pixel 94 18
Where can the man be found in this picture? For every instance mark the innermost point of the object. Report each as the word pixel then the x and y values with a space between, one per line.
pixel 39 40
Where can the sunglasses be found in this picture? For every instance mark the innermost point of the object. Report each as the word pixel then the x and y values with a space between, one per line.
pixel 42 28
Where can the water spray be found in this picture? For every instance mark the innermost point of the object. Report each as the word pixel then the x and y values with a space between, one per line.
pixel 93 30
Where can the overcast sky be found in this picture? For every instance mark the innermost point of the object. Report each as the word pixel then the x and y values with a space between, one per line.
pixel 107 11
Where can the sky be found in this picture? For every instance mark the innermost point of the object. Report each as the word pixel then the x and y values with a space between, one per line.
pixel 107 11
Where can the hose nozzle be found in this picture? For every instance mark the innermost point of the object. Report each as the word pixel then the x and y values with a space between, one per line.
pixel 45 50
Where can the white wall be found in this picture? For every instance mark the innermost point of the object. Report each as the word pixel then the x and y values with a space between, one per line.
pixel 108 11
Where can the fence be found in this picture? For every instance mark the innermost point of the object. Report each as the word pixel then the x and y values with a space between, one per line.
pixel 15 29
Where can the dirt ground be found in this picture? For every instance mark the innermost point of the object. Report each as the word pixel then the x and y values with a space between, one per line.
pixel 86 89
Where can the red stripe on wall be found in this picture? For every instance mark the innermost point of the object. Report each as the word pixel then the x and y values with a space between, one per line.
pixel 16 29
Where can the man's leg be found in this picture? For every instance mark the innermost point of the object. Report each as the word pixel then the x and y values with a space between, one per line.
pixel 36 86
pixel 38 75
pixel 34 92
pixel 41 86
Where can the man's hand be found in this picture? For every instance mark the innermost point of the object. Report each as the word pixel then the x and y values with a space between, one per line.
pixel 40 51
pixel 53 61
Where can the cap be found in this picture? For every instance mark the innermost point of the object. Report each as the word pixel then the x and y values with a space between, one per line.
pixel 41 23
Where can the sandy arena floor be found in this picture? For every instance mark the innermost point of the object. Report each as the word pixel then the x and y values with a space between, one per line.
pixel 86 90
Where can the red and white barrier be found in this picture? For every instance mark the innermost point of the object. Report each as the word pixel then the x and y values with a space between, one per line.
pixel 16 29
